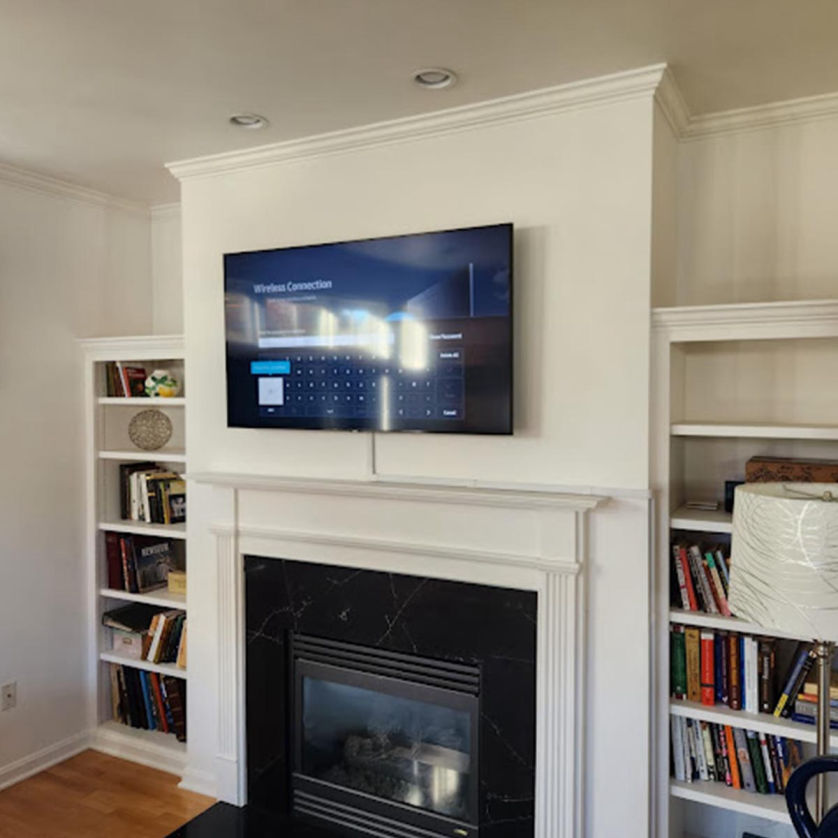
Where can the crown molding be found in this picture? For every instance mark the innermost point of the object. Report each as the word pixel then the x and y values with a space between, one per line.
pixel 160 211
pixel 49 185
pixel 668 96
pixel 808 109
pixel 688 127
pixel 545 102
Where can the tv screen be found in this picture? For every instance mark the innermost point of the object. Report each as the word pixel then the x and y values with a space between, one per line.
pixel 404 333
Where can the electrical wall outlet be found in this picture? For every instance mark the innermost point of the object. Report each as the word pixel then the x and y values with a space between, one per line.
pixel 8 695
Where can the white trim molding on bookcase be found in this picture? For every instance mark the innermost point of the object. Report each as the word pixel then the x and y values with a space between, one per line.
pixel 107 443
pixel 728 382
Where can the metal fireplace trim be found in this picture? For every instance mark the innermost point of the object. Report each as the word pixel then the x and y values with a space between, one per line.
pixel 330 802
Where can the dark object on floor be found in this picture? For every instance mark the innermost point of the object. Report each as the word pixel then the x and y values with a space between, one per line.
pixel 226 821
pixel 801 818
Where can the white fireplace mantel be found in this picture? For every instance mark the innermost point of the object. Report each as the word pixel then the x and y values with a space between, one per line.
pixel 505 536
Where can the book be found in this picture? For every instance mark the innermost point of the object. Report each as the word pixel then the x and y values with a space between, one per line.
pixel 705 594
pixel 125 472
pixel 681 577
pixel 744 758
pixel 176 696
pixel 734 683
pixel 716 583
pixel 707 665
pixel 766 664
pixel 751 664
pixel 693 658
pixel 113 559
pixel 776 767
pixel 153 559
pixel 810 686
pixel 735 776
pixel 801 666
pixel 677 662
pixel 180 660
pixel 677 743
pixel 135 617
pixel 134 381
pixel 755 754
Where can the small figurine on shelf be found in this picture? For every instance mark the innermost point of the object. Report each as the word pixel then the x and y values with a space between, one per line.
pixel 162 383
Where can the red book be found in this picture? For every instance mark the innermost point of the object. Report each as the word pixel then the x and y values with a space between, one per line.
pixel 682 554
pixel 708 669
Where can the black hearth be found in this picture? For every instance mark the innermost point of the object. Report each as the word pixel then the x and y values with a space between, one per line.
pixel 387 704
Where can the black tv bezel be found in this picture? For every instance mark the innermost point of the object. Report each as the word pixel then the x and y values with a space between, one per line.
pixel 353 426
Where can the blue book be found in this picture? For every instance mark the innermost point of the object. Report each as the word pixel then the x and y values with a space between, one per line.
pixel 147 699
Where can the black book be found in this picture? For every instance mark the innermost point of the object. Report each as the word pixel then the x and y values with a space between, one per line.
pixel 135 617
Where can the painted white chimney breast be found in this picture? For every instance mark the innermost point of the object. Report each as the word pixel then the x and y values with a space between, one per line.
pixel 531 540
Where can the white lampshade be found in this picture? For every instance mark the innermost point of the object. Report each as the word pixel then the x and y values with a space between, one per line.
pixel 784 558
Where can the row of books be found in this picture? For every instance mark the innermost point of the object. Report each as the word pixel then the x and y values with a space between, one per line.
pixel 123 380
pixel 148 701
pixel 146 632
pixel 739 758
pixel 150 492
pixel 137 563
pixel 702 574
pixel 741 671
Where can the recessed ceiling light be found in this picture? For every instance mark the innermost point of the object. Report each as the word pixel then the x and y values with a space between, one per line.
pixel 435 77
pixel 251 121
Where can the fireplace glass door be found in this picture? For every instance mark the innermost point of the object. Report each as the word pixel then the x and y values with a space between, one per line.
pixel 386 744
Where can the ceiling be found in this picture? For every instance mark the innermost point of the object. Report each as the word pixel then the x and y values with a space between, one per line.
pixel 104 92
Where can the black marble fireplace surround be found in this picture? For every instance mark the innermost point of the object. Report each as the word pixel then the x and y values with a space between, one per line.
pixel 491 628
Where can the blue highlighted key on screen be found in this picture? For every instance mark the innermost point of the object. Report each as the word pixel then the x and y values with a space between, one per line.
pixel 270 367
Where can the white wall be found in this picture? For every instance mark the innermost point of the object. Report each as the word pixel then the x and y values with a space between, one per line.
pixel 577 186
pixel 68 269
pixel 756 215
pixel 166 270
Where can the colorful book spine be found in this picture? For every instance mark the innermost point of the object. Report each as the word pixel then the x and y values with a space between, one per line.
pixel 693 657
pixel 708 670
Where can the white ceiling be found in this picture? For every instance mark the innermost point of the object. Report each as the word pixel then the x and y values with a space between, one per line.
pixel 103 92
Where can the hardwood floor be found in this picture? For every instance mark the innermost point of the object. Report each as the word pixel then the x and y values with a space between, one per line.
pixel 97 796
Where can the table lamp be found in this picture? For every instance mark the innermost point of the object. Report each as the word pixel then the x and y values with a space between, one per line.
pixel 784 575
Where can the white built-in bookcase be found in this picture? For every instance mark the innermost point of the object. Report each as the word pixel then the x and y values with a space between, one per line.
pixel 728 382
pixel 108 445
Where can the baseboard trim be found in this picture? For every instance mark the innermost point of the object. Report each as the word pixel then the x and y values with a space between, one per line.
pixel 125 745
pixel 201 782
pixel 20 769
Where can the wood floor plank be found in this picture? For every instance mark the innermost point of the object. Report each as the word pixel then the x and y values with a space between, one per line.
pixel 94 795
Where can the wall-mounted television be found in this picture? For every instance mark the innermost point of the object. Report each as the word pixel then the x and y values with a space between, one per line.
pixel 402 333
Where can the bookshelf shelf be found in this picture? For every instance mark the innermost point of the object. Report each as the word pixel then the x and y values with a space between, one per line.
pixel 721 623
pixel 161 597
pixel 756 430
pixel 142 528
pixel 148 666
pixel 729 382
pixel 107 420
pixel 701 520
pixel 163 456
pixel 769 806
pixel 138 401
pixel 764 722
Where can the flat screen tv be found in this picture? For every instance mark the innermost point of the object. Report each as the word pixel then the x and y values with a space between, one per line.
pixel 403 333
